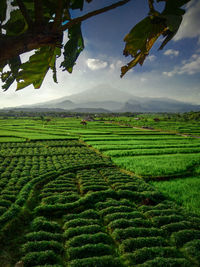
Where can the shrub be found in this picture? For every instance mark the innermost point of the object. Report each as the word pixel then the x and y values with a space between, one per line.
pixel 131 244
pixel 122 234
pixel 171 262
pixel 144 254
pixel 191 250
pixel 195 220
pixel 104 261
pixel 111 210
pixel 35 246
pixel 42 235
pixel 113 202
pixel 2 210
pixel 162 220
pixel 89 239
pixel 5 203
pixel 183 236
pixel 43 257
pixel 92 229
pixel 160 212
pixel 161 206
pixel 132 195
pixel 88 214
pixel 177 226
pixel 122 215
pixel 93 188
pixel 100 196
pixel 9 214
pixel 9 196
pixel 89 250
pixel 41 223
pixel 59 198
pixel 80 222
pixel 154 196
pixel 124 223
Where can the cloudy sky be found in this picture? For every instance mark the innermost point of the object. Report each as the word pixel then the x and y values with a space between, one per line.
pixel 173 72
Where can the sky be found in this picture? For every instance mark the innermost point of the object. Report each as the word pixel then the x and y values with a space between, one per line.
pixel 173 72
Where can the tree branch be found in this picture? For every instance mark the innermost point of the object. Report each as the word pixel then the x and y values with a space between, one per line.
pixel 58 16
pixel 24 12
pixel 12 46
pixel 92 14
pixel 39 19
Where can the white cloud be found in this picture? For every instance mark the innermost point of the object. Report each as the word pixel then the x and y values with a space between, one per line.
pixel 143 80
pixel 171 52
pixel 96 64
pixel 169 73
pixel 151 58
pixel 191 20
pixel 112 66
pixel 116 64
pixel 189 67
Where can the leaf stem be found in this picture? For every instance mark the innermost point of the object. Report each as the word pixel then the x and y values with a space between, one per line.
pixel 151 7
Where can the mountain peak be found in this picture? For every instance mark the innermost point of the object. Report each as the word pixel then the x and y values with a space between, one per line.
pixel 101 92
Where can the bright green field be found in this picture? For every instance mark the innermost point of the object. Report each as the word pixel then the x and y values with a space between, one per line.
pixel 153 155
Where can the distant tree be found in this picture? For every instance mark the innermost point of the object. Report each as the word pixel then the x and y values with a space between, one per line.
pixel 38 25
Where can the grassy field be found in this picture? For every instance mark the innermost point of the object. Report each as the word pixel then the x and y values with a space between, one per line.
pixel 183 124
pixel 63 203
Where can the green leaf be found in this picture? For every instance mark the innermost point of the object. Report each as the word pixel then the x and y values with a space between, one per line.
pixel 142 37
pixel 77 4
pixel 73 48
pixel 174 7
pixel 16 24
pixel 52 64
pixel 173 16
pixel 3 10
pixel 10 76
pixel 140 40
pixel 35 70
pixel 173 22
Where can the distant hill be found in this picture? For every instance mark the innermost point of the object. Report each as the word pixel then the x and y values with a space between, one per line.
pixel 104 98
pixel 90 110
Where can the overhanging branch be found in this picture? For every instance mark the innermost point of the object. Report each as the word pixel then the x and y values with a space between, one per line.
pixel 93 13
pixel 13 46
pixel 58 16
pixel 38 12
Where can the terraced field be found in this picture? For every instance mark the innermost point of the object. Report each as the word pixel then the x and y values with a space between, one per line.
pixel 179 123
pixel 64 204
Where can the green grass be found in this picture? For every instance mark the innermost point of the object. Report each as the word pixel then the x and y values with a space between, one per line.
pixel 159 166
pixel 7 139
pixel 187 190
pixel 135 152
pixel 141 146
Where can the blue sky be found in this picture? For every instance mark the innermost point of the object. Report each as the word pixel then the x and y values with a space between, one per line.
pixel 173 72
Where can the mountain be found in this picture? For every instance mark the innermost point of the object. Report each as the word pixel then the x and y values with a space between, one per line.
pixel 104 98
pixel 90 110
pixel 101 93
pixel 158 105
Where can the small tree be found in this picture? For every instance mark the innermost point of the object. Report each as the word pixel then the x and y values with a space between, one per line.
pixel 39 25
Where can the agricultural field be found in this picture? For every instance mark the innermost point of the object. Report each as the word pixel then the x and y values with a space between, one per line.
pixel 64 202
pixel 156 156
pixel 186 123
